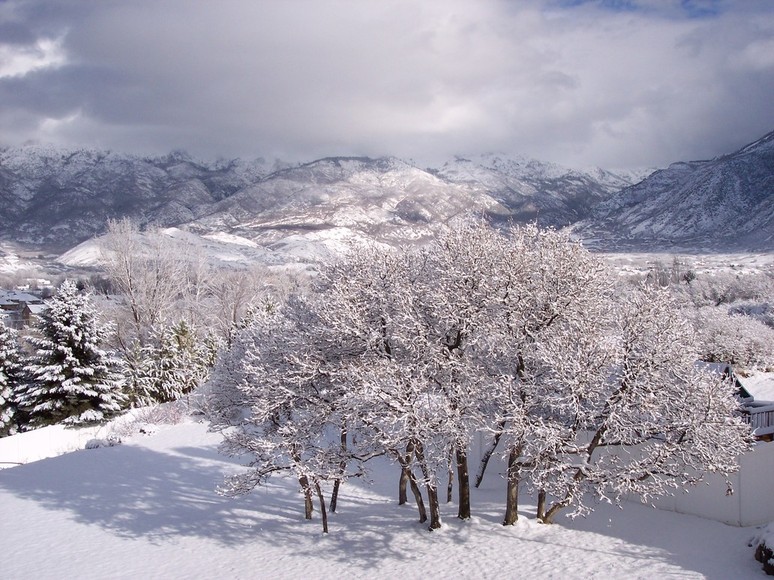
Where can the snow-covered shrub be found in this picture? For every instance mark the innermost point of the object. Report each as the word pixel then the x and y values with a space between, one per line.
pixel 734 338
pixel 762 312
pixel 145 420
pixel 110 441
pixel 723 288
pixel 764 549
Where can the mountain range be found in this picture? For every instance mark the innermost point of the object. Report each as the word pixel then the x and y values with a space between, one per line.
pixel 55 199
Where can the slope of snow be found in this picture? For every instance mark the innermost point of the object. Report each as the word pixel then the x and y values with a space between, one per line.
pixel 10 262
pixel 219 247
pixel 225 238
pixel 85 254
pixel 147 509
pixel 720 205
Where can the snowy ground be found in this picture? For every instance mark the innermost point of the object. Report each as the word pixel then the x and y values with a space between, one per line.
pixel 147 509
pixel 627 263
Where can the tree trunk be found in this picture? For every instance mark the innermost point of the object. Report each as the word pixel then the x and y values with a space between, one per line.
pixel 307 490
pixel 450 473
pixel 432 489
pixel 558 506
pixel 405 473
pixel 404 479
pixel 489 452
pixel 323 511
pixel 580 474
pixel 418 497
pixel 335 494
pixel 342 469
pixel 435 507
pixel 541 505
pixel 407 477
pixel 463 483
pixel 512 497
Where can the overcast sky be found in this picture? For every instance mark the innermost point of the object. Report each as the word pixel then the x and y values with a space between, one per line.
pixel 613 83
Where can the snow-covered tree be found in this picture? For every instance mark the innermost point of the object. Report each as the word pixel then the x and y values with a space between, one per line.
pixel 10 380
pixel 549 289
pixel 172 363
pixel 519 335
pixel 630 413
pixel 70 379
pixel 148 270
pixel 725 288
pixel 276 395
pixel 736 339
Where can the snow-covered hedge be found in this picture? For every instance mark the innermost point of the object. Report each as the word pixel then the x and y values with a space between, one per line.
pixel 764 552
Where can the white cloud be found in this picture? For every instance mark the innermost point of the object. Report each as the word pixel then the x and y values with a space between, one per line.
pixel 582 85
pixel 20 60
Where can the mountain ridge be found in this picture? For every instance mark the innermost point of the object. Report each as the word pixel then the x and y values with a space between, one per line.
pixel 721 203
pixel 61 197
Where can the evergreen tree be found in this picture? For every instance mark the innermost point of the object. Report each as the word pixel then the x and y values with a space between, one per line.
pixel 71 379
pixel 10 380
pixel 172 365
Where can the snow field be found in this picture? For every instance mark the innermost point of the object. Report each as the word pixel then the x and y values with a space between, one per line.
pixel 148 509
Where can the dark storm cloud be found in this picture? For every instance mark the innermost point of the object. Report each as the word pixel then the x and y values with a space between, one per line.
pixel 638 83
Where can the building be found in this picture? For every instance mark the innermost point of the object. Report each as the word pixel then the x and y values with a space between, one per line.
pixel 19 308
pixel 757 395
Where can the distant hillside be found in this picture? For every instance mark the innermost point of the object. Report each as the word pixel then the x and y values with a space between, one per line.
pixel 56 199
pixel 59 198
pixel 725 203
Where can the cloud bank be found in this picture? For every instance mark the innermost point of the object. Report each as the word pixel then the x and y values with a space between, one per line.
pixel 610 83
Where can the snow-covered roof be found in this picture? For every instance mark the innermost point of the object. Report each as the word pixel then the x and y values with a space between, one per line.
pixel 760 385
pixel 16 296
pixel 37 308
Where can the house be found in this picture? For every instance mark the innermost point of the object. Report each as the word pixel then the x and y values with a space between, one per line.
pixel 13 303
pixel 757 396
pixel 31 312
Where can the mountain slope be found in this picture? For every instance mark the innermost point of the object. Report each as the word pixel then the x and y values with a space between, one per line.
pixel 535 190
pixel 392 201
pixel 724 203
pixel 63 197
pixel 60 197
pixel 385 199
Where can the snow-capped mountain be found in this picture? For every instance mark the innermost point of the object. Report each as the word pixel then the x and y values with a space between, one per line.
pixel 395 202
pixel 535 190
pixel 725 203
pixel 58 198
pixel 55 199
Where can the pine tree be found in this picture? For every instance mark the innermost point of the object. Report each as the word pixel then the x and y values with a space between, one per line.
pixel 10 380
pixel 71 379
pixel 173 365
